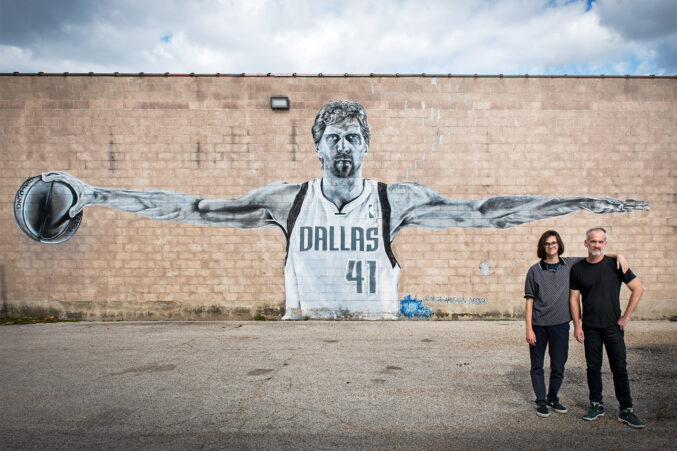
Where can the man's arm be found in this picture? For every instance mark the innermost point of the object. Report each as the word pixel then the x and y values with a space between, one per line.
pixel 529 290
pixel 637 289
pixel 261 207
pixel 528 313
pixel 621 262
pixel 419 205
pixel 575 308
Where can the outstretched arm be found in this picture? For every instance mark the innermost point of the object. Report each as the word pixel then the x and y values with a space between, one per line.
pixel 419 205
pixel 264 206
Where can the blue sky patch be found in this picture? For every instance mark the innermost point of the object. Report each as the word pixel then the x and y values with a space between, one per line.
pixel 630 66
pixel 559 3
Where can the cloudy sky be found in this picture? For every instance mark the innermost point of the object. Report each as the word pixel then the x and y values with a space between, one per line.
pixel 590 37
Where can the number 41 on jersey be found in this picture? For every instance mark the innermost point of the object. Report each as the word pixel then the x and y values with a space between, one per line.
pixel 363 274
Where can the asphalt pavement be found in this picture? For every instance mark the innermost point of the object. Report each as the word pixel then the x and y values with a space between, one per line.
pixel 314 385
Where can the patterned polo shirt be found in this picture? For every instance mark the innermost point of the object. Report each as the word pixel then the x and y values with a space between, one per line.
pixel 550 291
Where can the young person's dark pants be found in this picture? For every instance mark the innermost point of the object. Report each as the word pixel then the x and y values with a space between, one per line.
pixel 612 338
pixel 557 339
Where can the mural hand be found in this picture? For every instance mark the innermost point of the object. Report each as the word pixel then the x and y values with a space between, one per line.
pixel 608 205
pixel 634 204
pixel 83 192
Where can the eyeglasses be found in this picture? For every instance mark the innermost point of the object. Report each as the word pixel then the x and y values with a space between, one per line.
pixel 550 244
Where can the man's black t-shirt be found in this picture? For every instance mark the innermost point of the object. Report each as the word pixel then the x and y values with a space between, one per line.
pixel 600 286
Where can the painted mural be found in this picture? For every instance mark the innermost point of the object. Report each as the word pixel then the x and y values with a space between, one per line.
pixel 339 228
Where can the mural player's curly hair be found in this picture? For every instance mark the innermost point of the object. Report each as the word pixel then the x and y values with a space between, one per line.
pixel 337 113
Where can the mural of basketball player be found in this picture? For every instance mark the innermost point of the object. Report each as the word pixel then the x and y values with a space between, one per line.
pixel 339 227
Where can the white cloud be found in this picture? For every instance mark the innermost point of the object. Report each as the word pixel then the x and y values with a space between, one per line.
pixel 20 57
pixel 305 36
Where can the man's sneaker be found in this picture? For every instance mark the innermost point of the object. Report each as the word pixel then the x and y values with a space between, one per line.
pixel 628 417
pixel 542 411
pixel 557 407
pixel 595 410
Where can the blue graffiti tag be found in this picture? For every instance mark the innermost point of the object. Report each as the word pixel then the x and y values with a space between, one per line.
pixel 413 308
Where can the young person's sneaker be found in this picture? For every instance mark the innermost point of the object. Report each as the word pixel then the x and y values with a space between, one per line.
pixel 557 407
pixel 628 417
pixel 595 410
pixel 542 411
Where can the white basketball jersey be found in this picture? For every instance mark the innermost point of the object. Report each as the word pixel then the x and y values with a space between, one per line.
pixel 339 262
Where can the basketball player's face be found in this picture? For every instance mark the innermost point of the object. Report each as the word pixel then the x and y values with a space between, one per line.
pixel 342 149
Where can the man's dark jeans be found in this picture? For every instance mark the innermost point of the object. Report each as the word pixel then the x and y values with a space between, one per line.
pixel 612 338
pixel 557 339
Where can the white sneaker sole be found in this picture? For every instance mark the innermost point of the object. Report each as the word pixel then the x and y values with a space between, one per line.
pixel 594 418
pixel 630 424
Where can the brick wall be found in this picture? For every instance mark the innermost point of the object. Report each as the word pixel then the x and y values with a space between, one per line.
pixel 468 138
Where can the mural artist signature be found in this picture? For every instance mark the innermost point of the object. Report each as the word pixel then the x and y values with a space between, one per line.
pixel 455 300
pixel 411 307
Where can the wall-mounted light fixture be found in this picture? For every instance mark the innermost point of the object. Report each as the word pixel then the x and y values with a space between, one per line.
pixel 279 103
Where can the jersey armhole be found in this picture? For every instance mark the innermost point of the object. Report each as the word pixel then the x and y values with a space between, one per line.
pixel 294 213
pixel 385 221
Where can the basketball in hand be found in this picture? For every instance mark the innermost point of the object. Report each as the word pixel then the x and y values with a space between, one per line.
pixel 41 210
